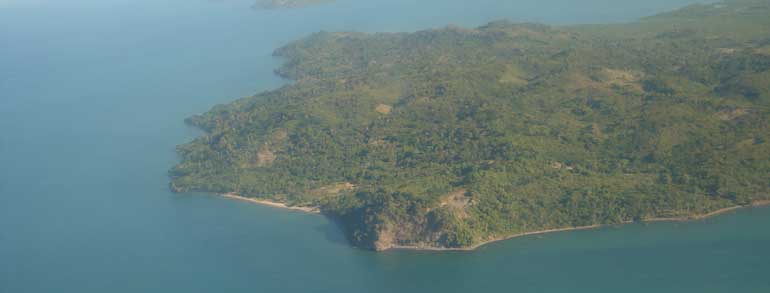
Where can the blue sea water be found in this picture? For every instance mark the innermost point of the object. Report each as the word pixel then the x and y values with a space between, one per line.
pixel 92 98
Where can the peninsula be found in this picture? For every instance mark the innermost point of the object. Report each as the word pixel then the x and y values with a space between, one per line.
pixel 452 137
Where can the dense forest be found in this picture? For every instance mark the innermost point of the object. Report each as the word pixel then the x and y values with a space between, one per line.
pixel 451 137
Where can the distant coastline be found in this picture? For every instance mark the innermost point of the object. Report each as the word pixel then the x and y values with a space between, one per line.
pixel 286 4
pixel 317 210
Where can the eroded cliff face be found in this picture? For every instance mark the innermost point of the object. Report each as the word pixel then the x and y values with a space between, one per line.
pixel 383 222
pixel 408 233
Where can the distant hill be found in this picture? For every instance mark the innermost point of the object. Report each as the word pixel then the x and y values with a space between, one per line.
pixel 451 137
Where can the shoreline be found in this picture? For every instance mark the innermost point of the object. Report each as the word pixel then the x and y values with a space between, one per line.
pixel 718 212
pixel 548 231
pixel 316 210
pixel 270 203
pixel 476 246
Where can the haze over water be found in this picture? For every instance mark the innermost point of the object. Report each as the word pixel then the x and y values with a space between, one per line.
pixel 93 94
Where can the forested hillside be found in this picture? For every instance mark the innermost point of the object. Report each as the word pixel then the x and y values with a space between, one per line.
pixel 451 137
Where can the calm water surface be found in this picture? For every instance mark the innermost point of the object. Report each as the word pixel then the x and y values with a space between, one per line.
pixel 92 98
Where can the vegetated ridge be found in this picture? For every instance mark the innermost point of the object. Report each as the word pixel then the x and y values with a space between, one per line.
pixel 451 137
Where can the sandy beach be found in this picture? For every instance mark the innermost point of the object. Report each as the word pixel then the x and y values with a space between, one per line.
pixel 235 196
pixel 315 210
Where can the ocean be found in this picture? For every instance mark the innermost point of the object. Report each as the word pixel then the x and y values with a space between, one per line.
pixel 93 94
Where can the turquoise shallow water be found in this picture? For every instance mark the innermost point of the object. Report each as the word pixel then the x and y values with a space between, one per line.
pixel 92 98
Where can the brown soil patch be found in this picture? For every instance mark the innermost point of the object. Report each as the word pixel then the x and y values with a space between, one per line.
pixel 265 157
pixel 623 78
pixel 727 51
pixel 726 115
pixel 577 81
pixel 457 201
pixel 559 166
pixel 279 135
pixel 383 109
pixel 332 190
pixel 513 76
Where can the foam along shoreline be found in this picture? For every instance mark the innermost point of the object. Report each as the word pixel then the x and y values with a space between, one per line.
pixel 547 231
pixel 270 203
